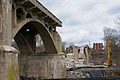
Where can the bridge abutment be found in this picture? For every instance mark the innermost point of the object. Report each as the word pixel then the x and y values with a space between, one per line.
pixel 44 66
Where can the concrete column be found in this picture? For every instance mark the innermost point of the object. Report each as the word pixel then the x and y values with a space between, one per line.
pixel 5 22
pixel 8 63
pixel 58 41
pixel 8 55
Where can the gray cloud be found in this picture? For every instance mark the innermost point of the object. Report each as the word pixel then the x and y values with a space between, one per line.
pixel 114 10
pixel 84 20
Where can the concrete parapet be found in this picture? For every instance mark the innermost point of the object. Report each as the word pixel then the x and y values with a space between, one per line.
pixel 8 63
pixel 46 66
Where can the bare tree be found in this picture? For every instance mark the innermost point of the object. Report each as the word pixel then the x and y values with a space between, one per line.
pixel 114 36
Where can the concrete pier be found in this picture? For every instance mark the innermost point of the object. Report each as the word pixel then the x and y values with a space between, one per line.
pixel 44 66
pixel 8 63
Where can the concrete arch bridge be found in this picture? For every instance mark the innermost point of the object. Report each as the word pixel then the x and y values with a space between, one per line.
pixel 22 22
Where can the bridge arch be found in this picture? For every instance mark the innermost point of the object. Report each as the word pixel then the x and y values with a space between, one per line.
pixel 36 27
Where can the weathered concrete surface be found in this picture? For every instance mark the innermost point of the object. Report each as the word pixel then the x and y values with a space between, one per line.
pixel 43 66
pixel 5 22
pixel 8 63
pixel 58 41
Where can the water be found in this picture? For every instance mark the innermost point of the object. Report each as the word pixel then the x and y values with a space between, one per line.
pixel 85 73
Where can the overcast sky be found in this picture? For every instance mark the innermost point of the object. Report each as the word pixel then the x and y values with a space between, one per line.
pixel 84 20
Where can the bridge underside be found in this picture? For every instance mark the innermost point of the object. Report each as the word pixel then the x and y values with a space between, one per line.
pixel 26 39
pixel 34 62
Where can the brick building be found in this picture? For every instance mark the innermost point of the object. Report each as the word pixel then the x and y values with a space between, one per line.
pixel 98 46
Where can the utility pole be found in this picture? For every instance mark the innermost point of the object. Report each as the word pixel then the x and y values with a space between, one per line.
pixel 109 51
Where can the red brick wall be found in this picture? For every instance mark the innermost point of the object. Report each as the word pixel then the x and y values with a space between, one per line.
pixel 98 46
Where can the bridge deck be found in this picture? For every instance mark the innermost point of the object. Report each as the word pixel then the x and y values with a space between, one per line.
pixel 46 11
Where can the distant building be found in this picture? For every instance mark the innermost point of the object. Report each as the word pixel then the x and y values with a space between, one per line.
pixel 84 54
pixel 77 56
pixel 98 46
pixel 72 52
pixel 72 56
